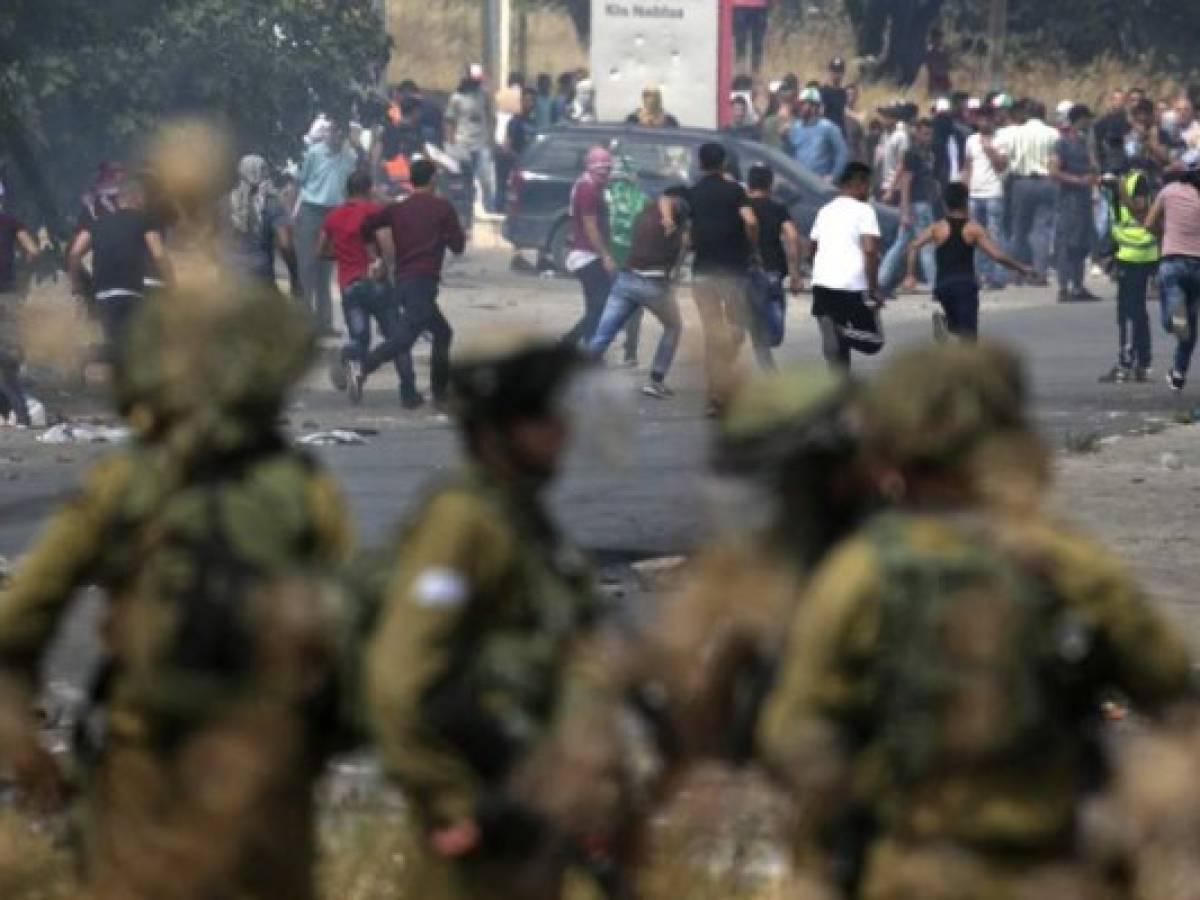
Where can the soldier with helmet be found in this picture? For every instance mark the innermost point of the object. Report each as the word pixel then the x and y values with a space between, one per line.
pixel 473 669
pixel 786 450
pixel 955 652
pixel 209 535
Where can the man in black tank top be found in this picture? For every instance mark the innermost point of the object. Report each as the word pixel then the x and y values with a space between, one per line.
pixel 956 238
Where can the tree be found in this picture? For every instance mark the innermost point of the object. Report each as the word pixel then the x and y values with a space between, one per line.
pixel 83 81
pixel 895 32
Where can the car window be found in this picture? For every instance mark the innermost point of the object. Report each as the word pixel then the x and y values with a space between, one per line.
pixel 667 161
pixel 560 155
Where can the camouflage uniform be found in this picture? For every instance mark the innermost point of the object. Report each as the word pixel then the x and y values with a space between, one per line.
pixel 954 654
pixel 787 436
pixel 216 679
pixel 789 439
pixel 472 666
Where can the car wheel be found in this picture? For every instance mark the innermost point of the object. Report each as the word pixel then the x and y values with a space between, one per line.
pixel 557 247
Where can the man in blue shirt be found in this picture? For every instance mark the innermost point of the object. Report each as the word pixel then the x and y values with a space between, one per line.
pixel 817 144
pixel 322 183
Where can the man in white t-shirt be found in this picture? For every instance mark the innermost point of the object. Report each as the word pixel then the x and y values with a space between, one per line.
pixel 983 173
pixel 845 282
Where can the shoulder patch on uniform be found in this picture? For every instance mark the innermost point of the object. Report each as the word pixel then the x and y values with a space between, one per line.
pixel 440 589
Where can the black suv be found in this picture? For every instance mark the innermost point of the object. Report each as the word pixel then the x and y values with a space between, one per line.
pixel 539 192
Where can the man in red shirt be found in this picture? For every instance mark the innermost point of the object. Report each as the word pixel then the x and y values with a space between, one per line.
pixel 364 293
pixel 422 229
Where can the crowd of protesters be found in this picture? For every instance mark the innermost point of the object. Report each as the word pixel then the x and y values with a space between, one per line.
pixel 989 190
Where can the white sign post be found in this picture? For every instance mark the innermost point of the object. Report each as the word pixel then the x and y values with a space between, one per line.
pixel 670 44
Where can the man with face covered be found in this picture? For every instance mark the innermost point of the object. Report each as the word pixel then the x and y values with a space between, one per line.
pixel 472 668
pixel 591 258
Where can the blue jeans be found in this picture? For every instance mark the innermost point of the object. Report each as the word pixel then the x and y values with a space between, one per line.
pixel 1033 203
pixel 891 273
pixel 989 212
pixel 1133 321
pixel 630 294
pixel 363 301
pixel 315 273
pixel 768 315
pixel 483 168
pixel 1180 280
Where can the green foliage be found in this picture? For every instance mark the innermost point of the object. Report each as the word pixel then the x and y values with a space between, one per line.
pixel 1078 31
pixel 82 81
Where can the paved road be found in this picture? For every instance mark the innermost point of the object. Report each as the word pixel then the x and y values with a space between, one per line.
pixel 655 504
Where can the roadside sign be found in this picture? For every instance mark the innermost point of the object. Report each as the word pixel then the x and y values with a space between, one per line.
pixel 676 45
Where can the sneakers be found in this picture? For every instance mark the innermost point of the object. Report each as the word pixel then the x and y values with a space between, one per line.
pixel 941 328
pixel 1117 375
pixel 412 401
pixel 657 390
pixel 354 381
pixel 1175 381
pixel 1142 375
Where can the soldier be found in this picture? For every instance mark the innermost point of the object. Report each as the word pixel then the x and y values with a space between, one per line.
pixel 209 726
pixel 789 442
pixel 955 652
pixel 471 669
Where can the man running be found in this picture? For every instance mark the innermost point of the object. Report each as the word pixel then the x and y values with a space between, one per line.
pixel 779 247
pixel 122 245
pixel 845 248
pixel 956 239
pixel 645 283
pixel 365 295
pixel 422 229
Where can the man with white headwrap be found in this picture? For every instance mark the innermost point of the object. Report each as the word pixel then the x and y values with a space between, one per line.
pixel 257 221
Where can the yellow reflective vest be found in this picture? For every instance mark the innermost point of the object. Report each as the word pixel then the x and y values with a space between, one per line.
pixel 1135 242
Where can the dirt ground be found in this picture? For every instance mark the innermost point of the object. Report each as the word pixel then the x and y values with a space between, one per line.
pixel 1141 494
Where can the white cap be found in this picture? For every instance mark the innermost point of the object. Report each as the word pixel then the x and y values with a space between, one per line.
pixel 1065 107
pixel 942 105
pixel 475 72
pixel 974 103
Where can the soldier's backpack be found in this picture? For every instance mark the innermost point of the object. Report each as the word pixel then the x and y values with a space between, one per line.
pixel 207 556
pixel 966 676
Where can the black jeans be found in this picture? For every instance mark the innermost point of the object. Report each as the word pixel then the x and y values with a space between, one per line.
pixel 1133 319
pixel 597 284
pixel 750 28
pixel 362 302
pixel 960 301
pixel 417 295
pixel 116 315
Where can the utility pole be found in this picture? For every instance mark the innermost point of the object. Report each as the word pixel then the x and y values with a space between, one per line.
pixel 523 36
pixel 997 39
pixel 497 46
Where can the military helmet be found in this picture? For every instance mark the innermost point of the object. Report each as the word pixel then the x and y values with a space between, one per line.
pixel 215 359
pixel 777 417
pixel 935 405
pixel 510 376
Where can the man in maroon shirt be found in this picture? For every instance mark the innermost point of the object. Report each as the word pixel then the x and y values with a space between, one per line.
pixel 422 228
pixel 365 295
